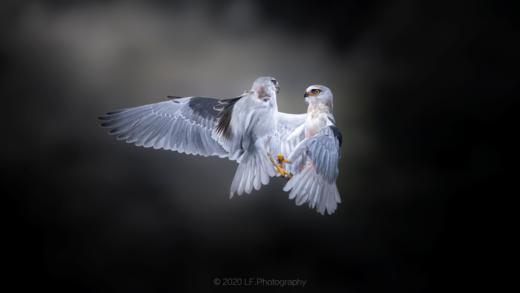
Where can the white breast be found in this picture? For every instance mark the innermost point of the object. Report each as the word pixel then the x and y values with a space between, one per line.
pixel 317 118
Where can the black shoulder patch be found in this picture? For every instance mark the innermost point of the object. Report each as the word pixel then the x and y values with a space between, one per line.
pixel 337 134
pixel 224 122
pixel 204 107
pixel 174 99
pixel 214 109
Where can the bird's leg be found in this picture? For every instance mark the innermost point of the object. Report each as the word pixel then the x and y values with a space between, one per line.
pixel 278 165
pixel 270 155
pixel 282 160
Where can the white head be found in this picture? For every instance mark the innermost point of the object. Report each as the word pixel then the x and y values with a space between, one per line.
pixel 318 94
pixel 266 87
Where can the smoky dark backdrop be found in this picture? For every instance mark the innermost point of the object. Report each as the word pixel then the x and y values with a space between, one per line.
pixel 418 94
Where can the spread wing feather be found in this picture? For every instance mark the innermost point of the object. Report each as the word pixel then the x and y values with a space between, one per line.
pixel 187 125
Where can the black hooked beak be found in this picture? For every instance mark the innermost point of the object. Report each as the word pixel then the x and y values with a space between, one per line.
pixel 305 95
pixel 277 89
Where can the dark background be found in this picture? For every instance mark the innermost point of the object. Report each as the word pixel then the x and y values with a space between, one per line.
pixel 421 93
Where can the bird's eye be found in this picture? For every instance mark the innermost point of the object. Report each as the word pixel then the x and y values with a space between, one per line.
pixel 274 81
pixel 315 91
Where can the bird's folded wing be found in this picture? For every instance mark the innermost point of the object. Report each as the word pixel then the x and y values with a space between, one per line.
pixel 186 125
pixel 316 161
pixel 323 149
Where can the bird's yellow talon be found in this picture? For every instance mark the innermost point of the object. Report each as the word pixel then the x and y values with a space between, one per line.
pixel 281 159
pixel 278 166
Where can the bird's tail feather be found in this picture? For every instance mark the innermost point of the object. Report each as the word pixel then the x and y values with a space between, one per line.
pixel 309 187
pixel 253 171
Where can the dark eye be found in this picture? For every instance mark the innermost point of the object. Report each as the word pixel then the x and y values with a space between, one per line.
pixel 315 91
pixel 274 81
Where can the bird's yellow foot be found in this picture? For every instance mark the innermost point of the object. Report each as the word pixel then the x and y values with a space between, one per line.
pixel 278 165
pixel 281 159
pixel 284 173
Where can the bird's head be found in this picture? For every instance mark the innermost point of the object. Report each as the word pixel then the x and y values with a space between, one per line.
pixel 318 94
pixel 266 88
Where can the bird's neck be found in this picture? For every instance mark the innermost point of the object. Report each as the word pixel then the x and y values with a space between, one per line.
pixel 316 109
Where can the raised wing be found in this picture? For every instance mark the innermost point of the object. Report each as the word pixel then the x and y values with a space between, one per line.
pixel 191 125
pixel 316 163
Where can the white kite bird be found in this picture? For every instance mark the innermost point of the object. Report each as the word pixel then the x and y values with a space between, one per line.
pixel 314 149
pixel 238 128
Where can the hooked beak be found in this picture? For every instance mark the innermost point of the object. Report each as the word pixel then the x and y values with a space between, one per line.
pixel 277 89
pixel 305 95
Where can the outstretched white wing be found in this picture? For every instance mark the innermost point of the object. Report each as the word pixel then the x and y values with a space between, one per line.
pixel 191 125
pixel 315 161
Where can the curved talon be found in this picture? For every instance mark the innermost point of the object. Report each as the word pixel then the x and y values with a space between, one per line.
pixel 278 166
pixel 281 159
